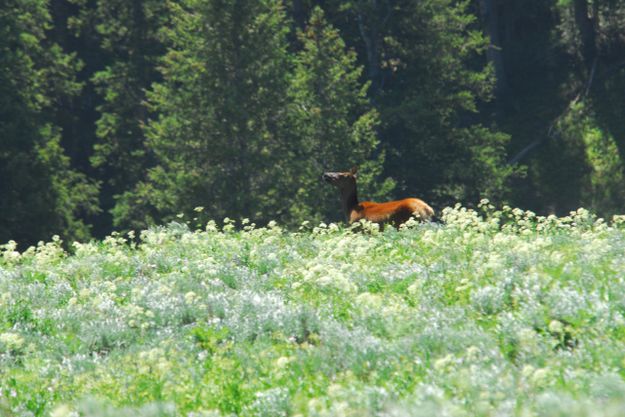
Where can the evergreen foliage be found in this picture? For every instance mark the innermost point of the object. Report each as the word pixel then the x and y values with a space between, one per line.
pixel 40 195
pixel 239 106
pixel 330 124
pixel 219 107
pixel 128 33
pixel 428 104
pixel 564 69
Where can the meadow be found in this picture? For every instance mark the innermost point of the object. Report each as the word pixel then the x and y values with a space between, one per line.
pixel 495 312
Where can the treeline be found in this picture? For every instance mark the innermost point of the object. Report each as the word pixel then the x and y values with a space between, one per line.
pixel 119 114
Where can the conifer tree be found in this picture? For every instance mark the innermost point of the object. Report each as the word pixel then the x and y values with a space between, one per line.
pixel 219 110
pixel 122 66
pixel 39 194
pixel 436 77
pixel 332 122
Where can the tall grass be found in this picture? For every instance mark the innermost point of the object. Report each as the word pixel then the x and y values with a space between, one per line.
pixel 494 313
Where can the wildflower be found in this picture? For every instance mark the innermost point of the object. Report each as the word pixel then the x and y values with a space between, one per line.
pixel 368 300
pixel 62 410
pixel 527 339
pixel 9 252
pixel 473 353
pixel 527 371
pixel 556 326
pixel 540 377
pixel 444 363
pixel 228 224
pixel 283 361
pixel 190 297
pixel 334 390
pixel 11 341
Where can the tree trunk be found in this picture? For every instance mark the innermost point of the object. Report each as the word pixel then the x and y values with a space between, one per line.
pixel 369 37
pixel 586 26
pixel 372 18
pixel 490 13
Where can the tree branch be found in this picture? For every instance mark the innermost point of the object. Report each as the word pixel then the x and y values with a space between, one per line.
pixel 551 131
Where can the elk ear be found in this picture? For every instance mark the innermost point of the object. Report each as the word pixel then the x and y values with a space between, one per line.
pixel 354 170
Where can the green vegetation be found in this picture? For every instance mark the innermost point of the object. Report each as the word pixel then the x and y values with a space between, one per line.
pixel 118 115
pixel 496 312
pixel 40 194
pixel 125 115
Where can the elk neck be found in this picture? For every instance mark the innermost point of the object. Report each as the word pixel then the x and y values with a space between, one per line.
pixel 349 200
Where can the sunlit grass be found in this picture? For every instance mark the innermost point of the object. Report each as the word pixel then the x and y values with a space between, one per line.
pixel 494 313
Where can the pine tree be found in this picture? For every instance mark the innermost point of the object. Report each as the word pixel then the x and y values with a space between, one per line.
pixel 120 42
pixel 434 78
pixel 220 107
pixel 332 122
pixel 39 194
pixel 564 104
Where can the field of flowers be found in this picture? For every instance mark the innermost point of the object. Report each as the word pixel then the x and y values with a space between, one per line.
pixel 493 313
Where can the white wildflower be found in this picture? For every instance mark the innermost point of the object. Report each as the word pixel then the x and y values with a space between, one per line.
pixel 11 341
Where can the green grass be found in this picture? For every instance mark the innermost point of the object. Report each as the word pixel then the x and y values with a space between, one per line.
pixel 497 313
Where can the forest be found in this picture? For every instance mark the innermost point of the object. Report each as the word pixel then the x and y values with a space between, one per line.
pixel 118 115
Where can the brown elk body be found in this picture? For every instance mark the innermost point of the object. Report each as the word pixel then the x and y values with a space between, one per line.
pixel 393 212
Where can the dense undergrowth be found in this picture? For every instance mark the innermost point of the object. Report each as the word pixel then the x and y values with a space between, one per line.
pixel 496 313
